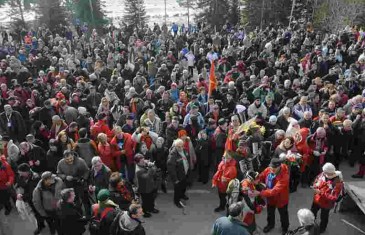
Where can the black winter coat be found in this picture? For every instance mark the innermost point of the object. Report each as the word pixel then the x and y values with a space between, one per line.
pixel 71 220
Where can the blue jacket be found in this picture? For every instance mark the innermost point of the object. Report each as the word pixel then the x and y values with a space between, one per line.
pixel 229 226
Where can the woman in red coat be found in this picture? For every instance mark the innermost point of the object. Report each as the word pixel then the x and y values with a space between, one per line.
pixel 6 182
pixel 276 178
pixel 106 153
pixel 226 172
pixel 303 149
pixel 327 188
pixel 123 148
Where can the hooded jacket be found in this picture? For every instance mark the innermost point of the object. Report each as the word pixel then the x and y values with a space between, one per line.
pixel 303 148
pixel 330 190
pixel 46 199
pixel 126 225
pixel 6 174
pixel 278 196
pixel 226 172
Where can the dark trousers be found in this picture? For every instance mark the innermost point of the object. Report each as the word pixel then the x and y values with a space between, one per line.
pixel 128 171
pixel 203 172
pixel 148 201
pixel 304 178
pixel 38 217
pixel 5 199
pixel 191 70
pixel 294 178
pixel 324 216
pixel 284 217
pixel 179 190
pixel 218 154
pixel 315 169
pixel 222 200
pixel 53 222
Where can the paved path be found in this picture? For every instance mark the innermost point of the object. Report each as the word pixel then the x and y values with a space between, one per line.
pixel 200 216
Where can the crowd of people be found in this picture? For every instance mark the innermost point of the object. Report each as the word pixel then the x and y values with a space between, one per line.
pixel 93 125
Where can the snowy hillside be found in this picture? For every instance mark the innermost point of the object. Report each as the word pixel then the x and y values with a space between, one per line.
pixel 114 8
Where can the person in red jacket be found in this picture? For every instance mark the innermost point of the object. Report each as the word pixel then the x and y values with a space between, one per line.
pixel 327 189
pixel 276 178
pixel 226 172
pixel 6 181
pixel 123 148
pixel 303 149
pixel 100 127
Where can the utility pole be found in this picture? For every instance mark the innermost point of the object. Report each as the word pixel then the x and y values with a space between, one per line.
pixel 188 4
pixel 165 14
pixel 262 14
pixel 292 11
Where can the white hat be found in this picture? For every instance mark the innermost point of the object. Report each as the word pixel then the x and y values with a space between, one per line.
pixel 82 110
pixel 329 168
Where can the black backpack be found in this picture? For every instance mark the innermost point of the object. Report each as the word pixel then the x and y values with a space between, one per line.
pixel 96 220
pixel 114 227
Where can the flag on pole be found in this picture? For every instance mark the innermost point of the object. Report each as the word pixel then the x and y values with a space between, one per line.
pixel 212 79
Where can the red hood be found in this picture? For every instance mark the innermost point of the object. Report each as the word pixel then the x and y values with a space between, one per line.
pixel 304 132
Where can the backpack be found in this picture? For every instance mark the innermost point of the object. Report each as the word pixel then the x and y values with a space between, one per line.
pixel 114 227
pixel 95 221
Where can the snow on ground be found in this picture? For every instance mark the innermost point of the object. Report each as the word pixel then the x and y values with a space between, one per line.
pixel 115 10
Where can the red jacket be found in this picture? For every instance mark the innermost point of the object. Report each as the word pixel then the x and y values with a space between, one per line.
pixel 225 173
pixel 278 196
pixel 107 156
pixel 6 174
pixel 303 149
pixel 100 127
pixel 128 145
pixel 330 190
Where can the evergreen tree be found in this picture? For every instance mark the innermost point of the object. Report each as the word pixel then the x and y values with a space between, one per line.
pixel 135 13
pixel 234 12
pixel 213 12
pixel 88 11
pixel 51 13
pixel 265 12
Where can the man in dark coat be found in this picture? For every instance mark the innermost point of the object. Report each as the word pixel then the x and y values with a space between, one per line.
pixel 171 131
pixel 178 169
pixel 46 113
pixel 12 124
pixel 34 155
pixel 27 181
pixel 146 184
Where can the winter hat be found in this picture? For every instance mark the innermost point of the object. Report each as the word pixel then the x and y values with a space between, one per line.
pixel 222 121
pixel 161 139
pixel 103 195
pixel 329 168
pixel 273 119
pixel 275 162
pixel 252 175
pixel 47 175
pixel 56 118
pixel 138 157
pixel 24 167
pixel 82 110
pixel 321 132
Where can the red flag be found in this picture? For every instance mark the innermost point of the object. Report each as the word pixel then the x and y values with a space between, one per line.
pixel 212 79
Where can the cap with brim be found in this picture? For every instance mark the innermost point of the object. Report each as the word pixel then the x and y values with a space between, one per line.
pixel 275 162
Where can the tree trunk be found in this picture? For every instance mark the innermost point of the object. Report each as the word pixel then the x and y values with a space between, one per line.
pixel 19 3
